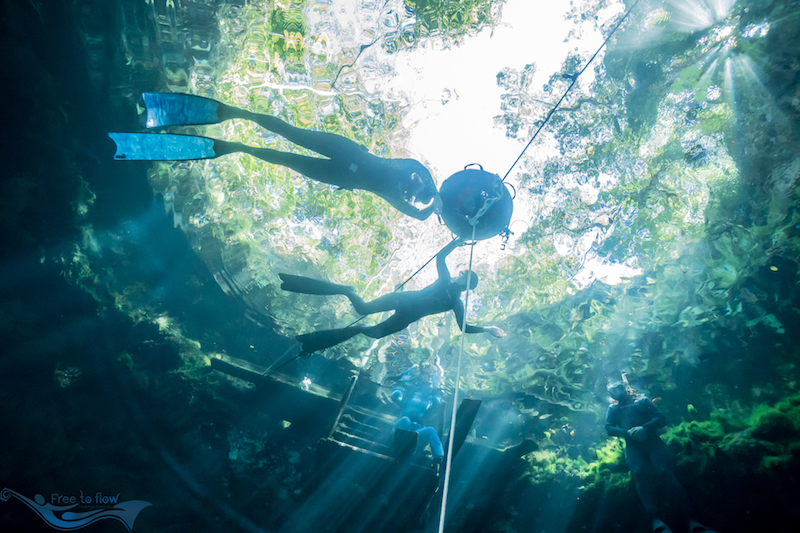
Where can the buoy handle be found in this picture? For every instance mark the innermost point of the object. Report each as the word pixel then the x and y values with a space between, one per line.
pixel 513 196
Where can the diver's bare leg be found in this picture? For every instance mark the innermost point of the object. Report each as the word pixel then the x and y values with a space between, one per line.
pixel 327 144
pixel 316 168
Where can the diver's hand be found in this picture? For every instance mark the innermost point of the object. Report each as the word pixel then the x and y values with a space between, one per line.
pixel 637 433
pixel 497 332
pixel 437 203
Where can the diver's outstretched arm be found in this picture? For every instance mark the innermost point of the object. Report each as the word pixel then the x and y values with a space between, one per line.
pixel 408 209
pixel 441 258
pixel 458 310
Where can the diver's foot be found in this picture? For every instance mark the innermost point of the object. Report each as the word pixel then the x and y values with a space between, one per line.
pixel 697 527
pixel 660 527
pixel 341 288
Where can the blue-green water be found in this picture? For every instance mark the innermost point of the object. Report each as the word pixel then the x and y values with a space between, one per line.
pixel 655 235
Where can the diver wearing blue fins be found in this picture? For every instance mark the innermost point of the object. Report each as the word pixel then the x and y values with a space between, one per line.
pixel 441 296
pixel 346 164
pixel 637 420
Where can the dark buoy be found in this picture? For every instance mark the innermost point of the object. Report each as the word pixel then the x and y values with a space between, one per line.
pixel 464 195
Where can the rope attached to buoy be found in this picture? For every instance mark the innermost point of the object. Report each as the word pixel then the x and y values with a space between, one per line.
pixel 487 204
pixel 451 439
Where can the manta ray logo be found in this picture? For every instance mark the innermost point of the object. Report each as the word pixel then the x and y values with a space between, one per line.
pixel 62 518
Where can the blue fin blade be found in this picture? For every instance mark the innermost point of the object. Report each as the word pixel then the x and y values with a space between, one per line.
pixel 161 147
pixel 175 109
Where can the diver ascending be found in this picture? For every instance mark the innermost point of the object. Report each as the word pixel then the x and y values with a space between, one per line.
pixel 440 296
pixel 345 164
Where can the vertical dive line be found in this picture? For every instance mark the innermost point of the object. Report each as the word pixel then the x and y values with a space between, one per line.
pixel 451 439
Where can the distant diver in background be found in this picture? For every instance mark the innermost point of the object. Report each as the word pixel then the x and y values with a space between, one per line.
pixel 418 393
pixel 346 164
pixel 637 420
pixel 442 295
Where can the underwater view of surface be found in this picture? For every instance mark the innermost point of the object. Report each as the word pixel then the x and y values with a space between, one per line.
pixel 630 361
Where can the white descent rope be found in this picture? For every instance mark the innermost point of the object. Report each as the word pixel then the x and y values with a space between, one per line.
pixel 449 461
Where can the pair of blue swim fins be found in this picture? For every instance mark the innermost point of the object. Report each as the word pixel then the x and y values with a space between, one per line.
pixel 174 109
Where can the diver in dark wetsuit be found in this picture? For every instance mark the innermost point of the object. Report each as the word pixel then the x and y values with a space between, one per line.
pixel 419 394
pixel 345 164
pixel 442 295
pixel 638 421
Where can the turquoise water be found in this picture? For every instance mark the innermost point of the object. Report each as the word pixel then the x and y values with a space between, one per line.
pixel 655 236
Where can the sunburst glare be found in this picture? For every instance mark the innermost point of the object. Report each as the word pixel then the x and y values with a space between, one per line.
pixel 695 15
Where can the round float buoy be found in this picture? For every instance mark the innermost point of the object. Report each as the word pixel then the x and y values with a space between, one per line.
pixel 473 195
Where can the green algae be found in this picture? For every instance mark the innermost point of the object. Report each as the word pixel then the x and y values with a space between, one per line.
pixel 766 439
pixel 607 471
